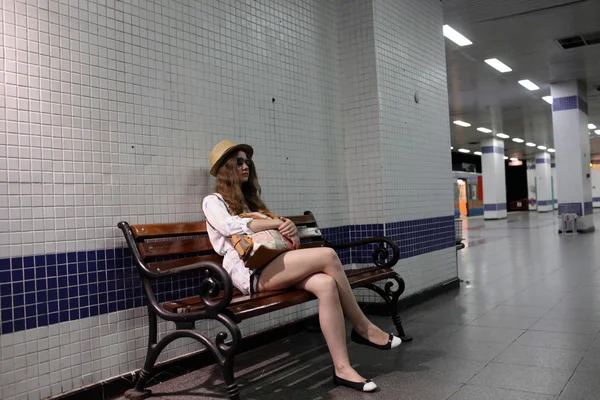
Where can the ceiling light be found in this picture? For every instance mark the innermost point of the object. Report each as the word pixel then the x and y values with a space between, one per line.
pixel 484 130
pixel 547 99
pixel 517 140
pixel 542 147
pixel 506 158
pixel 464 150
pixel 528 84
pixel 502 135
pixel 455 36
pixel 451 147
pixel 551 150
pixel 597 131
pixel 462 123
pixel 530 144
pixel 591 126
pixel 497 64
pixel 514 159
pixel 477 153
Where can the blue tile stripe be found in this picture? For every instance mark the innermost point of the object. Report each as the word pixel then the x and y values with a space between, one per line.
pixel 582 105
pixel 544 203
pixel 531 167
pixel 494 207
pixel 47 289
pixel 421 236
pixel 564 103
pixel 569 208
pixel 542 161
pixel 588 208
pixel 596 199
pixel 475 211
pixel 492 149
pixel 570 103
pixel 553 165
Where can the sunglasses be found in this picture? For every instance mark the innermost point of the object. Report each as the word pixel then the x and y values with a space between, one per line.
pixel 241 161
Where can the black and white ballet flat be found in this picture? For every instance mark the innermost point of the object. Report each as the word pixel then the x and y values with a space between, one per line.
pixel 393 341
pixel 366 386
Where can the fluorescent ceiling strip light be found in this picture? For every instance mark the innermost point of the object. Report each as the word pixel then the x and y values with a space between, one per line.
pixel 464 150
pixel 484 130
pixel 530 144
pixel 514 159
pixel 547 99
pixel 462 123
pixel 517 140
pixel 597 131
pixel 498 65
pixel 506 158
pixel 502 135
pixel 526 83
pixel 591 126
pixel 477 153
pixel 542 147
pixel 456 37
pixel 551 150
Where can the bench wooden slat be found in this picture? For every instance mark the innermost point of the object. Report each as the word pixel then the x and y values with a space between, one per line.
pixel 272 303
pixel 248 306
pixel 310 245
pixel 304 232
pixel 144 231
pixel 306 220
pixel 251 309
pixel 162 266
pixel 192 304
pixel 175 247
pixel 167 230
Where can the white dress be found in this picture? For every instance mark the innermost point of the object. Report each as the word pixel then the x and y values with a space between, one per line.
pixel 220 226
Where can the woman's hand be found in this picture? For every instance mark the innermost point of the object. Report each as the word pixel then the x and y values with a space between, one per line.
pixel 287 228
pixel 296 241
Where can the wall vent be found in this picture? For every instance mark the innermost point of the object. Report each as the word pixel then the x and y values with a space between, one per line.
pixel 586 39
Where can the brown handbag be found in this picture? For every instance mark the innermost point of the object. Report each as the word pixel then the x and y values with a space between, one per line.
pixel 244 244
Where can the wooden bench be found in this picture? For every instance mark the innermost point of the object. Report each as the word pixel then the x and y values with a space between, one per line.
pixel 162 251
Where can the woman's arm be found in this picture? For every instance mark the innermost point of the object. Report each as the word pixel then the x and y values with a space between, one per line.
pixel 218 217
pixel 258 225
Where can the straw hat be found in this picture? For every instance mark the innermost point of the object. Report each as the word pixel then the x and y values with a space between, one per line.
pixel 222 150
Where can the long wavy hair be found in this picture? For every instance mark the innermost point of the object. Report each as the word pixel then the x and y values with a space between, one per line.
pixel 240 196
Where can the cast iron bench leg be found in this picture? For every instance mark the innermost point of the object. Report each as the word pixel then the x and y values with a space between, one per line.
pixel 140 392
pixel 391 297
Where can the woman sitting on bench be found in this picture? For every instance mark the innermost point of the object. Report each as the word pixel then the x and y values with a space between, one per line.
pixel 317 270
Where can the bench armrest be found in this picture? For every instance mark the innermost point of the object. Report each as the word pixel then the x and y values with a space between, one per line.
pixel 380 254
pixel 209 286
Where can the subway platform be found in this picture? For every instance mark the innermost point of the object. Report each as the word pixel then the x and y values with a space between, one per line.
pixel 524 325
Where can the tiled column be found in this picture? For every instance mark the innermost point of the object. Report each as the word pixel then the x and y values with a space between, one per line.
pixel 596 180
pixel 544 181
pixel 494 184
pixel 554 186
pixel 572 143
pixel 531 190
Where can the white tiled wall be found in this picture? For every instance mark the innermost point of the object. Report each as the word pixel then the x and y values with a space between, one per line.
pixel 108 110
pixel 362 136
pixel 531 182
pixel 414 127
pixel 414 136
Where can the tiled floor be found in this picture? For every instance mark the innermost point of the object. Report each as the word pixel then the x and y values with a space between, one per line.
pixel 524 325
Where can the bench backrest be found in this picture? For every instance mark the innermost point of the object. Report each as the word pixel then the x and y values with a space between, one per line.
pixel 166 247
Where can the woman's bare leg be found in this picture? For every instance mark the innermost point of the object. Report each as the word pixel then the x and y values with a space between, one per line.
pixel 292 267
pixel 331 319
